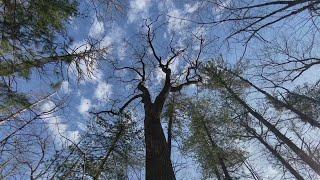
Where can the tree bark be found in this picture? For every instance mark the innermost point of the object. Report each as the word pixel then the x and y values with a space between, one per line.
pixel 170 124
pixel 170 134
pixel 158 163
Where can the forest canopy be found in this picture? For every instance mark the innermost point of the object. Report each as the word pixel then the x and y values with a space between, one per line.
pixel 159 90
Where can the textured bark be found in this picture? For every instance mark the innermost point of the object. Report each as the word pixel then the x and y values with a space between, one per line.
pixel 170 134
pixel 158 163
pixel 170 124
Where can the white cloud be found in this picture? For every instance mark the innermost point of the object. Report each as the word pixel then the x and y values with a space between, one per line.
pixel 190 8
pixel 74 136
pixel 90 73
pixel 97 28
pixel 138 9
pixel 311 75
pixel 114 36
pixel 81 126
pixel 114 42
pixel 159 75
pixel 84 106
pixel 175 66
pixel 89 66
pixel 47 107
pixel 65 87
pixel 164 5
pixel 139 4
pixel 103 91
pixel 122 51
pixel 106 41
pixel 175 24
pixel 79 46
pixel 56 126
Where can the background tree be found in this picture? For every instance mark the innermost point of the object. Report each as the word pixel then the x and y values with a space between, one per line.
pixel 111 149
pixel 35 44
pixel 213 136
pixel 220 77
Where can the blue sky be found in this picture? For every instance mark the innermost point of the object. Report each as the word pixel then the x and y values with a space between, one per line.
pixel 123 35
pixel 100 90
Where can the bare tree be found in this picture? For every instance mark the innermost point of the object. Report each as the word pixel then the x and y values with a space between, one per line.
pixel 158 163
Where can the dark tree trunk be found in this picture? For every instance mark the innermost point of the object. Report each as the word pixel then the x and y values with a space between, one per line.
pixel 170 134
pixel 170 124
pixel 303 116
pixel 158 163
pixel 253 173
pixel 216 171
pixel 275 153
pixel 299 152
pixel 224 169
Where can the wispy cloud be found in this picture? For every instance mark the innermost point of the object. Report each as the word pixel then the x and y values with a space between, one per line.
pixel 103 91
pixel 65 87
pixel 138 9
pixel 54 123
pixel 85 105
pixel 97 28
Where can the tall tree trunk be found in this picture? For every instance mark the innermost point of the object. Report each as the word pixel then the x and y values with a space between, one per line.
pixel 216 171
pixel 170 123
pixel 158 163
pixel 304 117
pixel 253 173
pixel 219 154
pixel 104 160
pixel 274 153
pixel 170 134
pixel 299 152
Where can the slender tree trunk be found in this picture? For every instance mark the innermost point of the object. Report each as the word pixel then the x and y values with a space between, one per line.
pixel 299 152
pixel 275 153
pixel 224 168
pixel 253 173
pixel 220 156
pixel 109 152
pixel 170 134
pixel 158 163
pixel 170 123
pixel 303 116
pixel 216 171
